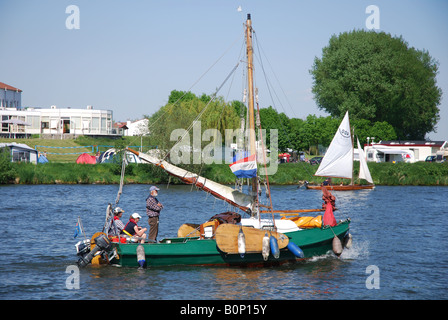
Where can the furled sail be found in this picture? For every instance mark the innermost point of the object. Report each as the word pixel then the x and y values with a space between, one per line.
pixel 364 172
pixel 338 161
pixel 232 196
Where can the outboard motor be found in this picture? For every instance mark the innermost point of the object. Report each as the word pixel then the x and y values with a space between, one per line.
pixel 86 255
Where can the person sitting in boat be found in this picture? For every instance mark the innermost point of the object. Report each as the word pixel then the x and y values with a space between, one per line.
pixel 116 226
pixel 327 182
pixel 133 230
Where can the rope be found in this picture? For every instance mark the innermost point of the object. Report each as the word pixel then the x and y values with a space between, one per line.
pixel 196 82
pixel 269 85
pixel 214 95
pixel 123 169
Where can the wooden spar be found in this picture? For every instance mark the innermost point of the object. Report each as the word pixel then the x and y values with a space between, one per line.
pixel 293 211
pixel 250 72
pixel 353 155
pixel 250 76
pixel 195 182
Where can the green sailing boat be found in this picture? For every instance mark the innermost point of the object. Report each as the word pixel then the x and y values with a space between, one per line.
pixel 227 239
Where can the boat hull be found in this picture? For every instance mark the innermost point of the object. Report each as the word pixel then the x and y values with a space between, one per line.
pixel 204 252
pixel 342 188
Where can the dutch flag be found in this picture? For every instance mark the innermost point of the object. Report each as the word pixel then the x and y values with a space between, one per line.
pixel 245 168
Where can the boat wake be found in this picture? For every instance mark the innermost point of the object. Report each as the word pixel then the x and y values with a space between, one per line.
pixel 358 250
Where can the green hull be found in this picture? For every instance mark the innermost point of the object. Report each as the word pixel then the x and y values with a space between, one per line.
pixel 194 251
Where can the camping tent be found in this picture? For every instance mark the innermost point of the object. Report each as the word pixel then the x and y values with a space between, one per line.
pixel 86 158
pixel 111 156
pixel 42 159
pixel 284 157
pixel 108 157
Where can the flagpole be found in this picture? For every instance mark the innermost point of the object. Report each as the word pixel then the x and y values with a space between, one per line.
pixel 82 227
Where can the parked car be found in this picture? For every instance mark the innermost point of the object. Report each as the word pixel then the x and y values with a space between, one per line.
pixel 316 160
pixel 430 159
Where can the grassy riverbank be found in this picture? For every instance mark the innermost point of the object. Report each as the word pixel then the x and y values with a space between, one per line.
pixel 421 173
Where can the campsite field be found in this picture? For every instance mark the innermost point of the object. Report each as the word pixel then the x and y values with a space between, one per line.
pixel 68 150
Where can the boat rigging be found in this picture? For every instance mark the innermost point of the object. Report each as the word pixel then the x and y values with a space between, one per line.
pixel 227 238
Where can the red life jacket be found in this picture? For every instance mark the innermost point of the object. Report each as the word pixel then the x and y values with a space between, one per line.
pixel 129 228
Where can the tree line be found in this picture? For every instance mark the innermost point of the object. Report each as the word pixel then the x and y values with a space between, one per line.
pixel 293 133
pixel 389 88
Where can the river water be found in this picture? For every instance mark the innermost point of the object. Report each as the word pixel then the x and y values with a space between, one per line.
pixel 399 251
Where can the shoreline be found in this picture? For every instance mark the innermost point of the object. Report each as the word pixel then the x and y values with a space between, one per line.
pixel 384 174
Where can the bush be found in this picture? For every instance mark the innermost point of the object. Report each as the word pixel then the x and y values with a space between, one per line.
pixel 7 172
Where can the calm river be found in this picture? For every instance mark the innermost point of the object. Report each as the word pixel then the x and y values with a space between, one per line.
pixel 400 247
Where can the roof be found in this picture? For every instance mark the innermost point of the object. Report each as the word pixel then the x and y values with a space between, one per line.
pixel 17 145
pixel 121 125
pixel 407 143
pixel 5 86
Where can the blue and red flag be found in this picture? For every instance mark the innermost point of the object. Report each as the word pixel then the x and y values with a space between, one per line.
pixel 245 168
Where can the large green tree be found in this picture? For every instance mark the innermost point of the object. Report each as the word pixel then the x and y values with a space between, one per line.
pixel 379 78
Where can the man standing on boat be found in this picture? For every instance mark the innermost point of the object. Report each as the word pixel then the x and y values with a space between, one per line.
pixel 153 208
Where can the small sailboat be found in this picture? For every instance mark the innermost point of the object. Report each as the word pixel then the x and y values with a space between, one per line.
pixel 338 161
pixel 227 238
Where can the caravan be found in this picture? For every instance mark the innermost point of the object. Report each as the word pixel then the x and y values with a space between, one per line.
pixel 386 154
pixel 403 151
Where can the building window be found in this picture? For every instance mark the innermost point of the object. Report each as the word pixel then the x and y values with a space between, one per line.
pixel 18 156
pixel 95 125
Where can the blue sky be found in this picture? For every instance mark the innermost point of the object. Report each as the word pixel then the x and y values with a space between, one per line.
pixel 127 56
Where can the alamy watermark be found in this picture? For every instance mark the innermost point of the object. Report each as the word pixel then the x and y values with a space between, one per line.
pixel 373 20
pixel 72 281
pixel 73 20
pixel 373 280
pixel 189 150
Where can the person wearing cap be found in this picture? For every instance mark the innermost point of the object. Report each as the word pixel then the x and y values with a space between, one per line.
pixel 153 208
pixel 117 226
pixel 133 230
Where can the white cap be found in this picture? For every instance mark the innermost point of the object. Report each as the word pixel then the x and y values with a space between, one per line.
pixel 135 216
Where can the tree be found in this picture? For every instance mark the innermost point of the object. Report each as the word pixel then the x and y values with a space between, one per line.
pixel 379 78
pixel 7 172
pixel 271 119
pixel 182 109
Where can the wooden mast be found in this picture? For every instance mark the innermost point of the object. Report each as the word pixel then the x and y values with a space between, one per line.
pixel 353 154
pixel 250 75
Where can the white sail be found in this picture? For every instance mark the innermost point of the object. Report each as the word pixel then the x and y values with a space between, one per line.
pixel 364 172
pixel 338 160
pixel 228 194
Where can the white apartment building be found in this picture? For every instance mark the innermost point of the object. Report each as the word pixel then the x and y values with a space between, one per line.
pixel 55 121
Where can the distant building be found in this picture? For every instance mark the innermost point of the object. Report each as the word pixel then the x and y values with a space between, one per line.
pixel 407 151
pixel 120 128
pixel 56 122
pixel 137 128
pixel 19 122
pixel 10 97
